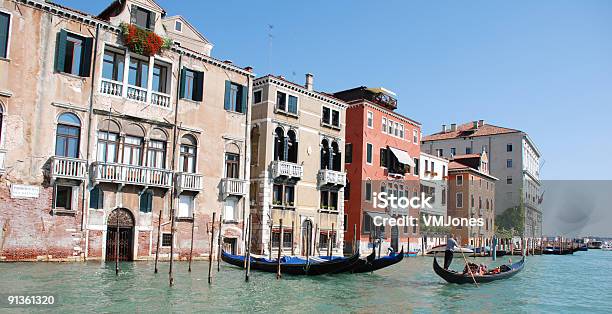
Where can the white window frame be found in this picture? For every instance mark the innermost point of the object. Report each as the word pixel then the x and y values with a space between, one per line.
pixel 370 118
pixel 10 31
pixel 193 205
pixel 286 111
pixel 384 125
pixel 415 136
pixel 74 198
pixel 459 196
pixel 177 22
pixel 372 154
pixel 457 180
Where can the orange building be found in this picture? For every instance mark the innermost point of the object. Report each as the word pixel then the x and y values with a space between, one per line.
pixel 382 155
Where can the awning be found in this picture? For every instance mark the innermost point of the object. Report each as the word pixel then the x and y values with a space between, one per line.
pixel 402 156
pixel 376 214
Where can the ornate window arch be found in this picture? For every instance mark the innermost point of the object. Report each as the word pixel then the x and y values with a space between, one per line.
pixel 188 154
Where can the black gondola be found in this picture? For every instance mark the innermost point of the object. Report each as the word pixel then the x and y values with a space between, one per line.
pixel 371 263
pixel 460 278
pixel 294 265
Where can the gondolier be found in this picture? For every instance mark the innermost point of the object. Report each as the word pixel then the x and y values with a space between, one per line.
pixel 451 244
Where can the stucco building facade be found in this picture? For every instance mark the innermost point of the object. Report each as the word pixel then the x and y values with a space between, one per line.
pixel 98 139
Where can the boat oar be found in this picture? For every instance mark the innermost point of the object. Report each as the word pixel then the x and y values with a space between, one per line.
pixel 468 267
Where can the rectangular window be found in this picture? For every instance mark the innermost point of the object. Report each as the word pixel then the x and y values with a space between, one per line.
pixel 5 26
pixel 443 201
pixel 63 197
pixel 369 149
pixel 326 117
pixel 138 73
pixel 235 97
pixel 230 209
pixel 459 181
pixel 73 55
pixel 192 84
pixel 96 198
pixel 257 97
pixel 142 18
pixel 146 202
pixel 416 166
pixel 178 26
pixel 281 101
pixel 396 131
pixel 383 157
pixel 67 141
pixel 336 118
pixel 107 146
pixel 453 151
pixel 370 119
pixel 439 152
pixel 508 180
pixel 384 125
pixel 232 165
pixel 187 158
pixel 166 239
pixel 112 65
pixel 468 150
pixel 391 127
pixel 293 105
pixel 345 224
pixel 160 78
pixel 185 209
pixel 459 202
pixel 401 131
pixel 415 136
pixel 132 150
pixel 156 154
pixel 283 195
pixel 348 148
pixel 368 191
pixel 509 163
pixel 367 223
pixel 509 147
pixel 287 239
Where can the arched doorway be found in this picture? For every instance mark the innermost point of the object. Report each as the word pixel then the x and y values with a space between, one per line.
pixel 306 236
pixel 395 238
pixel 120 235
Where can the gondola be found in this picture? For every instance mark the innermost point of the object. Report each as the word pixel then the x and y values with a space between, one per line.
pixel 294 265
pixel 549 250
pixel 460 278
pixel 371 263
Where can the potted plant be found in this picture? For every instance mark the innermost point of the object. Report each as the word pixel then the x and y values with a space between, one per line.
pixel 142 41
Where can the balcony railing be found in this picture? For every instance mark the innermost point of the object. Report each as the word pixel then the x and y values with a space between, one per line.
pixel 129 174
pixel 287 169
pixel 111 87
pixel 188 181
pixel 160 99
pixel 137 93
pixel 230 186
pixel 331 177
pixel 2 158
pixel 68 168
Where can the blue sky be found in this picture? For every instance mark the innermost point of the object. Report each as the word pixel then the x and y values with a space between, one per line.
pixel 544 67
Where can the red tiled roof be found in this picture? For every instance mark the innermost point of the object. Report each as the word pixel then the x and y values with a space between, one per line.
pixel 466 156
pixel 467 130
pixel 452 165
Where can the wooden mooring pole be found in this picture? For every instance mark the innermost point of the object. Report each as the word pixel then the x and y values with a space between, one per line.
pixel 117 244
pixel 212 246
pixel 354 238
pixel 280 248
pixel 314 248
pixel 247 251
pixel 270 246
pixel 292 238
pixel 158 238
pixel 219 243
pixel 191 245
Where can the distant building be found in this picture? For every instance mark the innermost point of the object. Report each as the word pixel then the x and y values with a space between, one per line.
pixel 514 160
pixel 297 169
pixel 433 173
pixel 472 195
pixel 382 153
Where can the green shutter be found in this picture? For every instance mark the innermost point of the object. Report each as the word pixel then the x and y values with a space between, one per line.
pixel 150 202
pixel 182 83
pixel 4 29
pixel 244 92
pixel 60 51
pixel 228 89
pixel 143 202
pixel 198 86
pixel 94 198
pixel 86 57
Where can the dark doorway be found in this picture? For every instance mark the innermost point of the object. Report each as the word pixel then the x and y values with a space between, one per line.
pixel 395 238
pixel 306 235
pixel 229 245
pixel 120 221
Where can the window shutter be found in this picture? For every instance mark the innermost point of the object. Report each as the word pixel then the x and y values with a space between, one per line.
pixel 143 202
pixel 243 98
pixel 151 25
pixel 133 10
pixel 198 86
pixel 94 198
pixel 182 83
pixel 60 51
pixel 149 202
pixel 286 149
pixel 4 28
pixel 228 88
pixel 86 58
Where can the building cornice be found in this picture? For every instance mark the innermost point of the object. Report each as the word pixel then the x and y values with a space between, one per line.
pixel 374 106
pixel 269 79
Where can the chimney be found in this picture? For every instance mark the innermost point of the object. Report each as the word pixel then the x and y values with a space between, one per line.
pixel 227 61
pixel 475 124
pixel 443 128
pixel 480 122
pixel 309 81
pixel 453 127
pixel 248 69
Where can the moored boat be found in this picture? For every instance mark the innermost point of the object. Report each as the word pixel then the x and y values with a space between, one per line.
pixel 452 276
pixel 550 250
pixel 595 245
pixel 442 248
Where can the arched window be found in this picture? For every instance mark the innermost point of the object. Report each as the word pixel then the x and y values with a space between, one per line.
pixel 108 141
pixel 133 145
pixel 255 146
pixel 232 161
pixel 188 154
pixel 325 154
pixel 156 151
pixel 336 157
pixel 292 146
pixel 279 144
pixel 68 136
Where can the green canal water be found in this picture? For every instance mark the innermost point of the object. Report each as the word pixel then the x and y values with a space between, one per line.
pixel 555 284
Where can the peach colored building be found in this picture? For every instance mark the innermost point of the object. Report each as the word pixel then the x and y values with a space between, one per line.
pixel 98 139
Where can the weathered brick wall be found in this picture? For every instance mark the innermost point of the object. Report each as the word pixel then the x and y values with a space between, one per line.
pixel 96 241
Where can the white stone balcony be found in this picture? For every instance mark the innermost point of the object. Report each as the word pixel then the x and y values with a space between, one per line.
pixel 68 168
pixel 331 177
pixel 137 93
pixel 2 159
pixel 188 182
pixel 110 87
pixel 129 174
pixel 160 99
pixel 235 187
pixel 287 169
